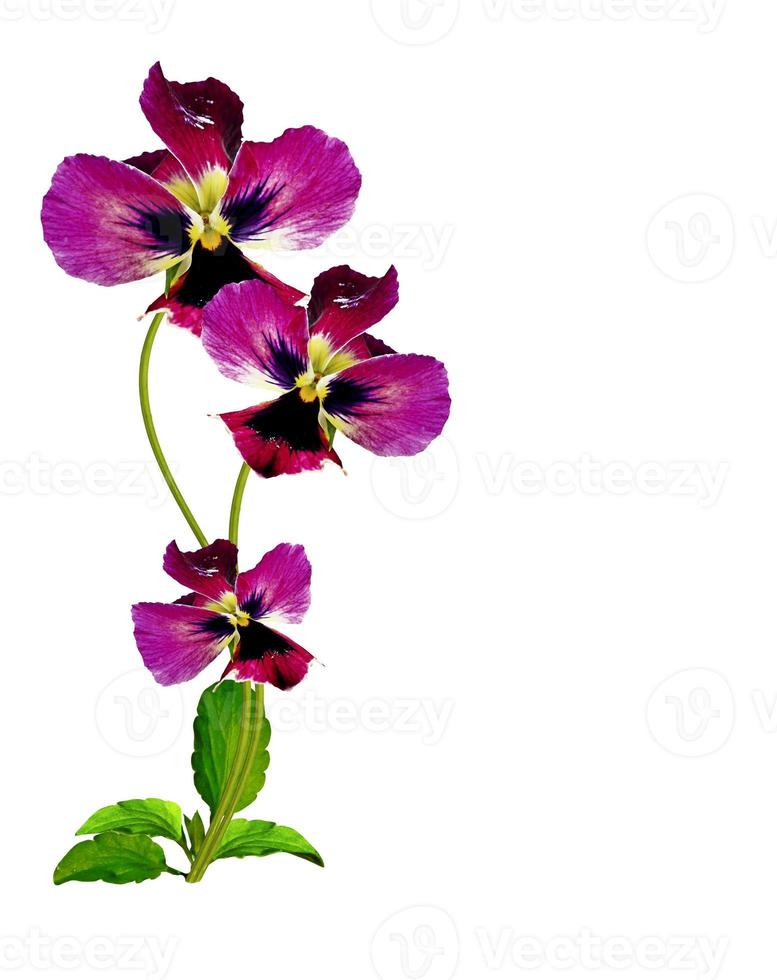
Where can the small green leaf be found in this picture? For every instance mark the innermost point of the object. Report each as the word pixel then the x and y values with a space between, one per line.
pixel 155 817
pixel 330 431
pixel 216 734
pixel 244 838
pixel 116 858
pixel 171 275
pixel 196 830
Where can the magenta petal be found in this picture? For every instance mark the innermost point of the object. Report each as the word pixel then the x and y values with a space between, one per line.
pixel 211 571
pixel 281 436
pixel 265 656
pixel 109 223
pixel 175 641
pixel 393 405
pixel 344 303
pixel 291 193
pixel 255 336
pixel 278 586
pixel 199 122
pixel 208 273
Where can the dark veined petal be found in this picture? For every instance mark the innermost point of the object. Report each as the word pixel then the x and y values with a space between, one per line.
pixel 278 586
pixel 208 273
pixel 265 656
pixel 393 405
pixel 282 436
pixel 256 336
pixel 211 571
pixel 175 641
pixel 343 304
pixel 199 122
pixel 108 222
pixel 291 193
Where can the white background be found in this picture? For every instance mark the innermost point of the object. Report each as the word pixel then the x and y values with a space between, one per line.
pixel 545 725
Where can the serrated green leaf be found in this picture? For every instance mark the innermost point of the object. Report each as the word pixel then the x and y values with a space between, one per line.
pixel 113 857
pixel 246 838
pixel 196 830
pixel 159 818
pixel 216 733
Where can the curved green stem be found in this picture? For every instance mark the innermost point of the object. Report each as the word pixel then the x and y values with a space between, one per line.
pixel 251 720
pixel 237 502
pixel 148 422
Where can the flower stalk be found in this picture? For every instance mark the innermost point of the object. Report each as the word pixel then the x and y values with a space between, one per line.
pixel 148 422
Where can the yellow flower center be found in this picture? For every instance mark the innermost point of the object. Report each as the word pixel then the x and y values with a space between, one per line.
pixel 310 386
pixel 228 607
pixel 208 230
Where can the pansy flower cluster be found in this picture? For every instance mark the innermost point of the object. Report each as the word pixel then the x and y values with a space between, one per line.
pixel 189 209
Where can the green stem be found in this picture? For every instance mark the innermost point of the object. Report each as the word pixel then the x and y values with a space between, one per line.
pixel 148 422
pixel 252 718
pixel 237 502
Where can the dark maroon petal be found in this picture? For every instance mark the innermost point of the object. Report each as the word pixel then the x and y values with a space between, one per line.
pixel 108 222
pixel 291 193
pixel 176 642
pixel 265 656
pixel 199 122
pixel 366 346
pixel 209 272
pixel 278 586
pixel 149 161
pixel 344 303
pixel 256 337
pixel 211 571
pixel 282 436
pixel 393 405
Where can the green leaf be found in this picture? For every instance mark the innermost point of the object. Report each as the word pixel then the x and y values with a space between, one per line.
pixel 244 838
pixel 113 857
pixel 216 733
pixel 196 830
pixel 155 817
pixel 171 275
pixel 330 431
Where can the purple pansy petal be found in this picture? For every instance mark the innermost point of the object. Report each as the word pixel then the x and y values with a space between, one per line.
pixel 256 337
pixel 211 571
pixel 108 222
pixel 176 642
pixel 199 122
pixel 282 436
pixel 344 303
pixel 278 586
pixel 208 273
pixel 393 405
pixel 265 656
pixel 293 192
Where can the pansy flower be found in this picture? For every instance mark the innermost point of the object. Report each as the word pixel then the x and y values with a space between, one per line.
pixel 329 373
pixel 192 206
pixel 179 639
